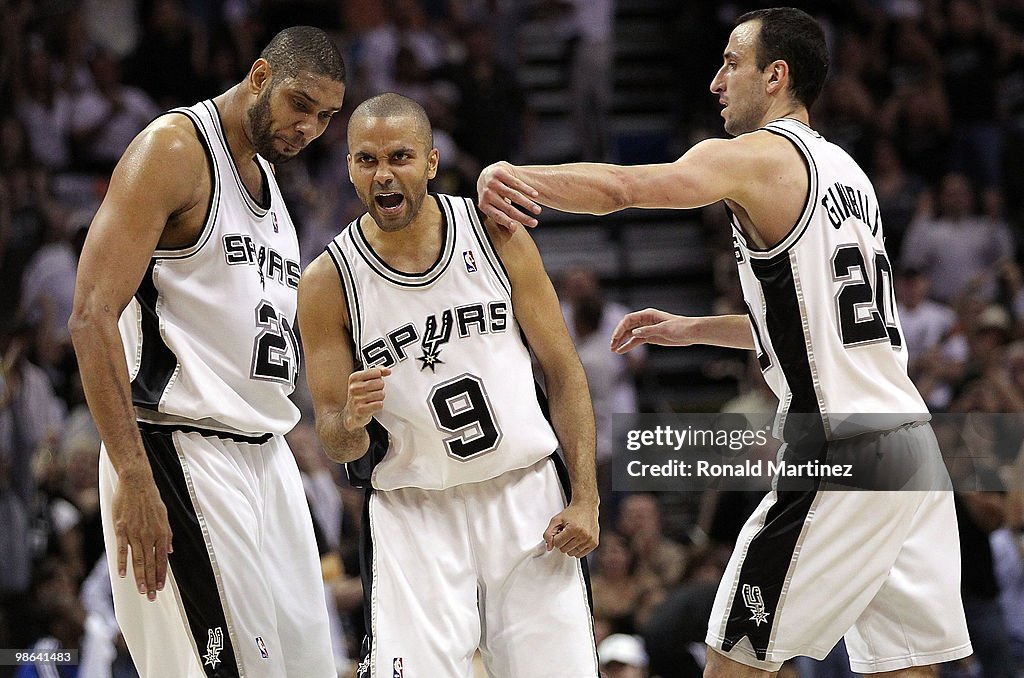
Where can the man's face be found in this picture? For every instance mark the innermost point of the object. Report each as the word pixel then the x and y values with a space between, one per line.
pixel 291 113
pixel 739 84
pixel 389 163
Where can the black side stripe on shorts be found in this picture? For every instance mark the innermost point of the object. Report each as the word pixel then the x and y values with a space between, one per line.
pixel 190 561
pixel 771 551
pixel 366 575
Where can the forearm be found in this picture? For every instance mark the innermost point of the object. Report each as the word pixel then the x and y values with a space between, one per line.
pixel 104 374
pixel 581 188
pixel 727 331
pixel 572 417
pixel 341 443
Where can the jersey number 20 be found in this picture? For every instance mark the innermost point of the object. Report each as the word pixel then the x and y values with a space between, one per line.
pixel 866 311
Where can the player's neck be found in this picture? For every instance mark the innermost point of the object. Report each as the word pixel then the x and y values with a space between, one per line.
pixel 232 106
pixel 787 109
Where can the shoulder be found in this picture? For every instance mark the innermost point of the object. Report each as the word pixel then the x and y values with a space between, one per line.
pixel 320 271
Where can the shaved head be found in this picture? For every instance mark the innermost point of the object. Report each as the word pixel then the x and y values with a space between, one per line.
pixel 391 105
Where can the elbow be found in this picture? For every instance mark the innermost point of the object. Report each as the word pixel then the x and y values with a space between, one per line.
pixel 620 193
pixel 340 449
pixel 82 323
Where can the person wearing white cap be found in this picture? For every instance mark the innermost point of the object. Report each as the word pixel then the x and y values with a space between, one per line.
pixel 622 656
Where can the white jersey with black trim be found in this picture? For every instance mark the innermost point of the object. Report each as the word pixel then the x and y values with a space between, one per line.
pixel 208 335
pixel 461 405
pixel 821 302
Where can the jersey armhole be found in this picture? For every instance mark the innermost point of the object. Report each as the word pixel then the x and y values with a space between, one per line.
pixel 212 204
pixel 350 296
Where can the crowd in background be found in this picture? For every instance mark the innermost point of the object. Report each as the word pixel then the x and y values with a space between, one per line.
pixel 927 95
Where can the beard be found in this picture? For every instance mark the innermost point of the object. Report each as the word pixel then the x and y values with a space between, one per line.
pixel 260 128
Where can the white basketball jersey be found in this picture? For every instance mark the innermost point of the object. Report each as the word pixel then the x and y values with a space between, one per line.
pixel 460 405
pixel 821 302
pixel 208 335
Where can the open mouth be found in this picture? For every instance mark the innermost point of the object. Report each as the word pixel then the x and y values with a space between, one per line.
pixel 389 201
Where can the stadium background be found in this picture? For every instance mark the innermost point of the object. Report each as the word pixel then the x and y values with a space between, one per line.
pixel 928 96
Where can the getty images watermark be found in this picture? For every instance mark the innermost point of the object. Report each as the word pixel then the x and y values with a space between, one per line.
pixel 686 452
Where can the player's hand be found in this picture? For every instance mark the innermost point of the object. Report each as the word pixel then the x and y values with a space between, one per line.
pixel 365 396
pixel 650 326
pixel 574 531
pixel 141 529
pixel 501 193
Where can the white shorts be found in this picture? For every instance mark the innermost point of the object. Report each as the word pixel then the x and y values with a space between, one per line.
pixel 244 594
pixel 466 567
pixel 881 568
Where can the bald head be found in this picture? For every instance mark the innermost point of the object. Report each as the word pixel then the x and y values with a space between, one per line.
pixel 391 105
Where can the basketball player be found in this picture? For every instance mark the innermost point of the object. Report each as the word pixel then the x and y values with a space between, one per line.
pixel 417 324
pixel 809 566
pixel 193 250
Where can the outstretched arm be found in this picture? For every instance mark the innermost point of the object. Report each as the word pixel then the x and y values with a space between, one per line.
pixel 574 530
pixel 652 326
pixel 699 178
pixel 344 399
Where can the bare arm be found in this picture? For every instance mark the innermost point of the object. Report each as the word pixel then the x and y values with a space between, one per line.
pixel 344 399
pixel 652 326
pixel 154 180
pixel 574 531
pixel 705 174
pixel 761 174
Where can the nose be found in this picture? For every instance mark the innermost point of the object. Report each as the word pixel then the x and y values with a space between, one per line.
pixel 383 174
pixel 717 83
pixel 307 128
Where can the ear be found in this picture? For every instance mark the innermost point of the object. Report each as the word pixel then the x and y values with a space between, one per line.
pixel 348 161
pixel 259 76
pixel 432 161
pixel 777 76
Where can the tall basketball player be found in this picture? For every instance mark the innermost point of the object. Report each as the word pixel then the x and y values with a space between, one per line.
pixel 184 307
pixel 811 565
pixel 413 323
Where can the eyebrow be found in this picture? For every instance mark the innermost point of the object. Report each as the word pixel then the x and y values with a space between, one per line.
pixel 730 55
pixel 316 104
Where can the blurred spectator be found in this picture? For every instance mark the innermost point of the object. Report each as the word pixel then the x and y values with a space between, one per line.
pixel 170 59
pixel 45 110
pixel 916 117
pixel 108 115
pixel 31 415
pixel 602 369
pixel 657 555
pixel 592 59
pixel 26 209
pixel 1008 555
pixel 928 326
pixel 48 282
pixel 622 656
pixel 491 103
pixel 377 49
pixel 675 632
pixel 974 65
pixel 623 597
pixel 898 193
pixel 956 247
pixel 978 515
pixel 108 657
pixel 582 281
pixel 113 25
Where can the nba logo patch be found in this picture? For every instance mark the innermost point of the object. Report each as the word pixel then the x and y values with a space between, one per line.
pixel 397 670
pixel 262 647
pixel 470 260
pixel 273 216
